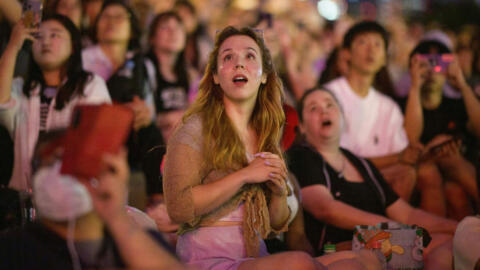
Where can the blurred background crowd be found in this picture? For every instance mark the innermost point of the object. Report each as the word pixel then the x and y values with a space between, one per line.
pixel 304 38
pixel 152 55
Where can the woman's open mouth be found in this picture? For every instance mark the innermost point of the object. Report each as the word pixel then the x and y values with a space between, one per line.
pixel 240 80
pixel 326 123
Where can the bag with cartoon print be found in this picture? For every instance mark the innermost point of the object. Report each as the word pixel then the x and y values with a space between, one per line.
pixel 398 246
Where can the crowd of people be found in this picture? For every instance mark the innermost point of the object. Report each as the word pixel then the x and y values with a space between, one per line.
pixel 259 136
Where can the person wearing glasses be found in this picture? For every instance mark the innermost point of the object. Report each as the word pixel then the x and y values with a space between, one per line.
pixel 116 58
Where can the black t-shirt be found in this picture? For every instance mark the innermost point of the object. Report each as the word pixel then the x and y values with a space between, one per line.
pixel 36 247
pixel 128 81
pixel 449 118
pixel 170 96
pixel 6 156
pixel 373 195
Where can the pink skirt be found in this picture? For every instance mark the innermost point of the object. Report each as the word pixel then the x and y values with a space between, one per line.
pixel 216 248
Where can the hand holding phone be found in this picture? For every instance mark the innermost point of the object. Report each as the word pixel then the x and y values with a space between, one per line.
pixel 446 148
pixel 95 131
pixel 19 34
pixel 438 62
pixel 32 13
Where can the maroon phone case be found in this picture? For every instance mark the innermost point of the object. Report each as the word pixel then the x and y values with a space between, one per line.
pixel 95 130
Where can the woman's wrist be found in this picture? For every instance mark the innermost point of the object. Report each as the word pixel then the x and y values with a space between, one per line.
pixel 13 47
pixel 242 177
pixel 279 194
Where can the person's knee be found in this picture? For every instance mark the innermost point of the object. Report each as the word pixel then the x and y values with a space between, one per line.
pixel 429 177
pixel 458 199
pixel 452 161
pixel 405 186
pixel 402 179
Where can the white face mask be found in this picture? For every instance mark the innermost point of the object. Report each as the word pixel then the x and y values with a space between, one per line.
pixel 59 197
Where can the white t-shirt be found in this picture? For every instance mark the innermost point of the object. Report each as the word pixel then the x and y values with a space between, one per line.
pixel 21 116
pixel 373 124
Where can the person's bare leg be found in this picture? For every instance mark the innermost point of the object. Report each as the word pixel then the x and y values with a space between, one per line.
pixel 438 239
pixel 402 178
pixel 362 259
pixel 460 170
pixel 440 257
pixel 430 185
pixel 458 203
pixel 292 260
pixel 336 256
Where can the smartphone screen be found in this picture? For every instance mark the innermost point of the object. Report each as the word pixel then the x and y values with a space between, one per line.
pixel 438 62
pixel 32 13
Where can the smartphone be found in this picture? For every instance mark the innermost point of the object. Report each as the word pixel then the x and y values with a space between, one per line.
pixel 94 131
pixel 439 62
pixel 437 148
pixel 32 13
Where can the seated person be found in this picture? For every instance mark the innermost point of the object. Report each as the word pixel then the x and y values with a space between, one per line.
pixel 172 80
pixel 229 192
pixel 432 118
pixel 341 190
pixel 373 121
pixel 45 99
pixel 83 223
pixel 115 58
pixel 466 249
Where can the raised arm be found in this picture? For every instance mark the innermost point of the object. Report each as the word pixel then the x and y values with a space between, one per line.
pixel 138 249
pixel 318 201
pixel 472 104
pixel 9 56
pixel 413 112
pixel 11 10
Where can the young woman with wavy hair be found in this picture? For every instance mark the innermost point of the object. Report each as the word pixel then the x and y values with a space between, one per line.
pixel 224 175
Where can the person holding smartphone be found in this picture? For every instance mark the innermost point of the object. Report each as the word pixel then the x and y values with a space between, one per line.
pixel 431 118
pixel 45 99
pixel 82 223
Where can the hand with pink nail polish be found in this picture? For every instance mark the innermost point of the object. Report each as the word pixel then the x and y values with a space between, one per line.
pixel 268 168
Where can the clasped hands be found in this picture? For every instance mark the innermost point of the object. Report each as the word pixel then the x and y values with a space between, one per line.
pixel 270 169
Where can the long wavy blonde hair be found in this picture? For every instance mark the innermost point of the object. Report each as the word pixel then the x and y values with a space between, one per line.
pixel 223 146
